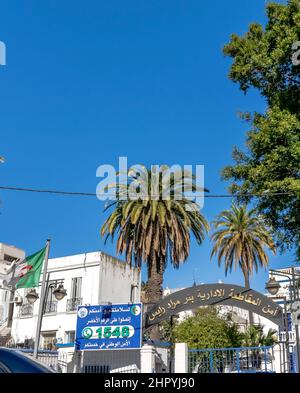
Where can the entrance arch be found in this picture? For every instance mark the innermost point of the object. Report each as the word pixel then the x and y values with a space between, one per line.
pixel 214 294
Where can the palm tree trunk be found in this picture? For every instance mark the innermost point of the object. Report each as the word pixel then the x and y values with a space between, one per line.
pixel 154 291
pixel 247 285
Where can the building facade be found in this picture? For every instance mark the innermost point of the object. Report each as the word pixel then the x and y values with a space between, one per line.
pixel 284 297
pixel 8 255
pixel 90 278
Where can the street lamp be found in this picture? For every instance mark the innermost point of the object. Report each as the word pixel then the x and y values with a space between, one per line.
pixel 272 286
pixel 32 296
pixel 59 292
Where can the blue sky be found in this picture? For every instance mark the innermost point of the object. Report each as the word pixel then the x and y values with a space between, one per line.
pixel 87 82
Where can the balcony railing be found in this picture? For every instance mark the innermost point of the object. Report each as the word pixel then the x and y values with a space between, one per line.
pixel 73 303
pixel 51 307
pixel 26 310
pixel 292 336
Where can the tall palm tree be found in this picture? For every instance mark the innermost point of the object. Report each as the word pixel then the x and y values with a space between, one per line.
pixel 240 239
pixel 156 230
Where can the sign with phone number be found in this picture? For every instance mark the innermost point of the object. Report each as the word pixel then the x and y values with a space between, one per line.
pixel 117 326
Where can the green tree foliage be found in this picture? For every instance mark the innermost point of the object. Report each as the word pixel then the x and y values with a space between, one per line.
pixel 262 59
pixel 255 337
pixel 206 329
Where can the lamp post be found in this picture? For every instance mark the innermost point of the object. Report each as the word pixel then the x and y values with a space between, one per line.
pixel 273 287
pixel 32 297
pixel 270 287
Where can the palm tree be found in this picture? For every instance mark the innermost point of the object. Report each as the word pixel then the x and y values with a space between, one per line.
pixel 254 336
pixel 156 230
pixel 240 239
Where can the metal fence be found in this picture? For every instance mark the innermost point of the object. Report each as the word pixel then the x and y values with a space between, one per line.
pixel 231 360
pixel 51 307
pixel 99 369
pixel 53 359
pixel 73 303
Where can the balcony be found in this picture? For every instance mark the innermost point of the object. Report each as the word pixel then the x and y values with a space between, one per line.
pixel 72 304
pixel 292 336
pixel 51 307
pixel 26 310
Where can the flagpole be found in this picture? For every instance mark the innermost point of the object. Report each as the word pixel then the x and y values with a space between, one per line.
pixel 42 302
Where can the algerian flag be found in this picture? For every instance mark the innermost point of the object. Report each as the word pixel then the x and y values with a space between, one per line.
pixel 26 274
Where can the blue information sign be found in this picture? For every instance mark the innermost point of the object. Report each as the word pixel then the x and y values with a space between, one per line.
pixel 117 326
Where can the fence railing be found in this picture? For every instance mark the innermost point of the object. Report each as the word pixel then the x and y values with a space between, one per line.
pixel 26 310
pixel 73 303
pixel 231 360
pixel 291 336
pixel 133 368
pixel 103 368
pixel 53 359
pixel 51 307
pixel 96 369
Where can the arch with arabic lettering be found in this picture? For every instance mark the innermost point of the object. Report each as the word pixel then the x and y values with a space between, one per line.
pixel 214 295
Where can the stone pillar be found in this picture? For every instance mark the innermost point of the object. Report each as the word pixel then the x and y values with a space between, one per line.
pixel 181 358
pixel 147 359
pixel 77 361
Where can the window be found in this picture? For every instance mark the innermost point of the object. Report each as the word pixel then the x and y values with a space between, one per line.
pixel 70 336
pixel 9 258
pixel 76 287
pixel 51 302
pixel 75 296
pixel 49 340
pixel 132 290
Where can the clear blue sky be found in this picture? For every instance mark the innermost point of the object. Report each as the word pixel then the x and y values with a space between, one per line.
pixel 89 81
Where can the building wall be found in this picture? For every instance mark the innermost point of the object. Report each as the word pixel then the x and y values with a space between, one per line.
pixel 7 252
pixel 113 359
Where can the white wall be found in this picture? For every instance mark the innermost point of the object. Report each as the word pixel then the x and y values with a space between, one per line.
pixel 115 280
pixel 5 296
pixel 115 359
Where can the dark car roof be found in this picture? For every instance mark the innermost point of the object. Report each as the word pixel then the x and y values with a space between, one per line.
pixel 17 362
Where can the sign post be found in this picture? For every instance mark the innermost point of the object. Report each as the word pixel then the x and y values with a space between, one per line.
pixel 107 327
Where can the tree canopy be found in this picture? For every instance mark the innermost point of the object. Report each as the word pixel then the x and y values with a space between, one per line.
pixel 207 329
pixel 262 59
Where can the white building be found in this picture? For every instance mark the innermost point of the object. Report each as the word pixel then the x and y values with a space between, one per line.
pixel 8 254
pixel 91 278
pixel 284 276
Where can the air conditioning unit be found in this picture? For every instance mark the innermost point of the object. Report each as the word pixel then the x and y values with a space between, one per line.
pixel 18 300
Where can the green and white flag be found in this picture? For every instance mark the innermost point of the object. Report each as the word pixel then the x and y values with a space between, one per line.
pixel 26 274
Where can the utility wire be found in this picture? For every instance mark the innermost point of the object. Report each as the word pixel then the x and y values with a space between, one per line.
pixel 74 193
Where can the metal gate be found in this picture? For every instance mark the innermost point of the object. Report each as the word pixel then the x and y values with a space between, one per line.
pixel 53 359
pixel 231 360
